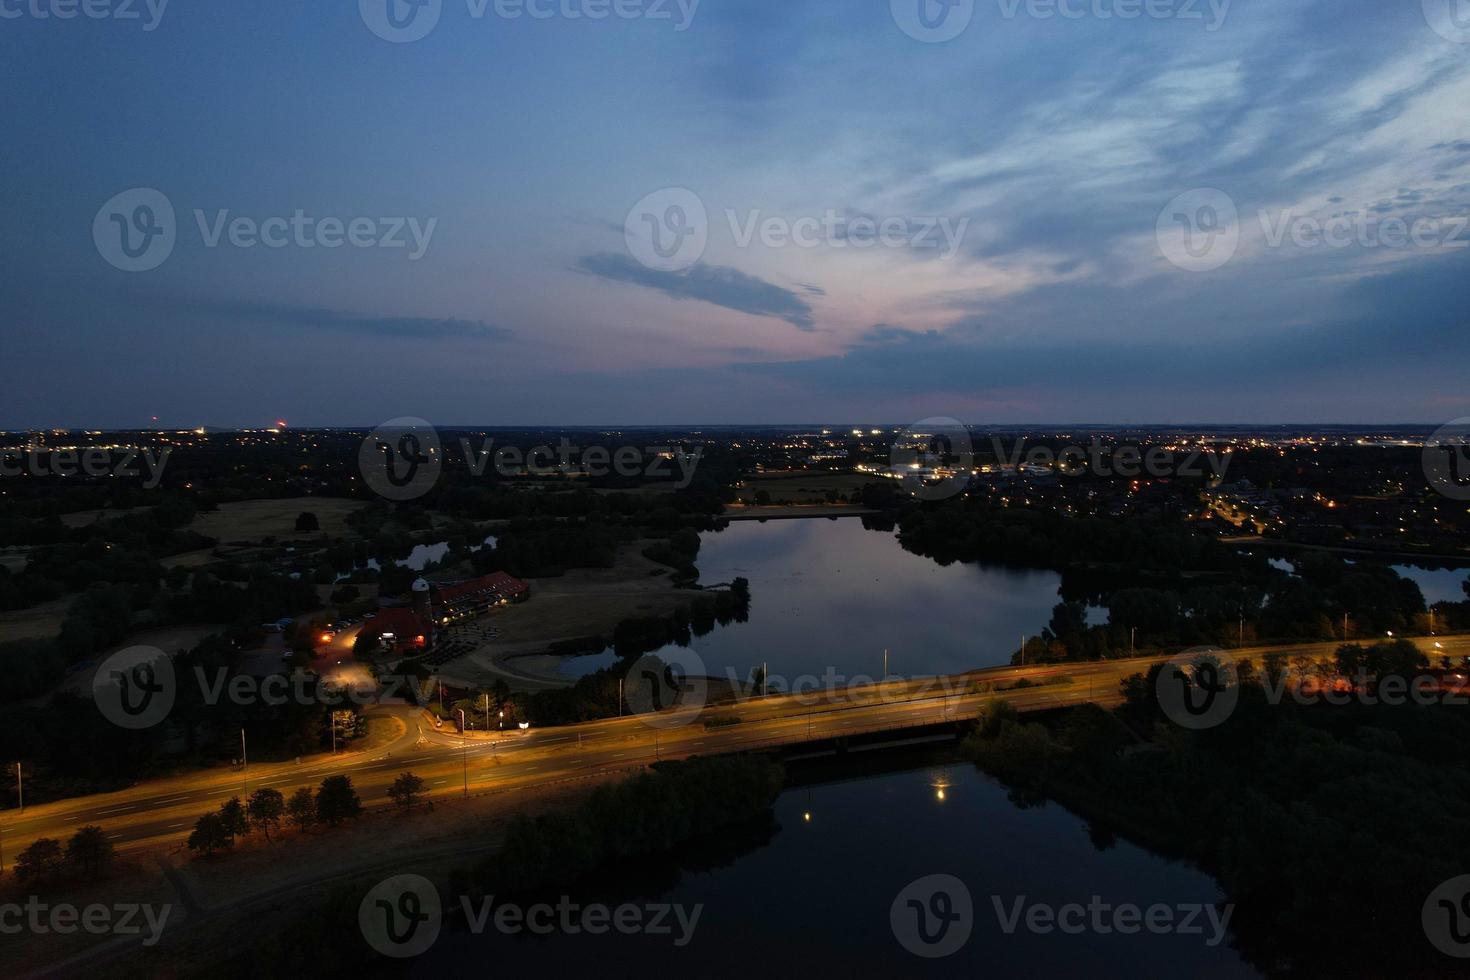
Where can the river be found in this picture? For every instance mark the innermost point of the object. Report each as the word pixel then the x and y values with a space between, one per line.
pixel 815 900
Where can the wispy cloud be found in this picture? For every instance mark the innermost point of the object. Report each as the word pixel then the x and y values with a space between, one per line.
pixel 716 284
pixel 359 323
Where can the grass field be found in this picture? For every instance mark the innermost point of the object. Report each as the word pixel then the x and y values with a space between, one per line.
pixel 251 520
pixel 37 622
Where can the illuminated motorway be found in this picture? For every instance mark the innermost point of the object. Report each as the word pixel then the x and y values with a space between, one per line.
pixel 163 811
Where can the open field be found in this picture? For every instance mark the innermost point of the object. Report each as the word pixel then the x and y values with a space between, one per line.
pixel 583 602
pixel 251 520
pixel 37 622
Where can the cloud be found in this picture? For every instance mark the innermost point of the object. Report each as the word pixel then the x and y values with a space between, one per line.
pixel 716 284
pixel 359 323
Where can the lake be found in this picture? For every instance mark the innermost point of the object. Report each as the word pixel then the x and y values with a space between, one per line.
pixel 815 899
pixel 830 594
pixel 420 558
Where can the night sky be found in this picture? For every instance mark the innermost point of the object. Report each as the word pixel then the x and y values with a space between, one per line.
pixel 521 149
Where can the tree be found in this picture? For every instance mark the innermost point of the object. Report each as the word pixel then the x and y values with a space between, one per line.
pixel 235 819
pixel 42 857
pixel 307 523
pixel 407 791
pixel 266 807
pixel 210 834
pixel 90 848
pixel 337 801
pixel 302 808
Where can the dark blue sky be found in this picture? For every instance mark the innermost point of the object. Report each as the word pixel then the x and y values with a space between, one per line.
pixel 1028 173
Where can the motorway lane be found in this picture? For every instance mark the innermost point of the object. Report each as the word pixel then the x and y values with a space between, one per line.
pixel 163 811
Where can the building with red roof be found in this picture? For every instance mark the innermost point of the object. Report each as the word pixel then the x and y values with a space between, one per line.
pixel 411 629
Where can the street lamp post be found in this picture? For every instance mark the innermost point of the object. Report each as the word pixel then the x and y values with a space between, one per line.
pixel 20 790
pixel 464 751
pixel 244 763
